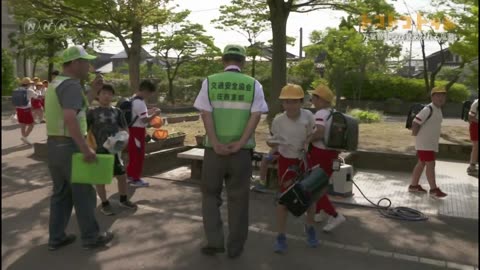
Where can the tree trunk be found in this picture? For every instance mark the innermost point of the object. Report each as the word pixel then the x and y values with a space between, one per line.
pixel 339 78
pixel 51 54
pixel 170 91
pixel 34 68
pixel 278 16
pixel 425 71
pixel 134 57
pixel 455 79
pixel 435 72
pixel 253 65
pixel 25 74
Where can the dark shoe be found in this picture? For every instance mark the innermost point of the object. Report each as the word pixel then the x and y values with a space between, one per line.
pixel 67 241
pixel 211 251
pixel 280 244
pixel 472 171
pixel 101 241
pixel 235 253
pixel 437 193
pixel 128 204
pixel 107 210
pixel 416 189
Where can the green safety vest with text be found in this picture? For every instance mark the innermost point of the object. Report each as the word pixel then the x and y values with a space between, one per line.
pixel 54 112
pixel 231 95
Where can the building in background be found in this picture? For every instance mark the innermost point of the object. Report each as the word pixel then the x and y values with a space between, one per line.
pixel 10 26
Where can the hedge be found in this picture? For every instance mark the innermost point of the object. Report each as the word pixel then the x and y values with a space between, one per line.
pixel 381 87
pixel 8 79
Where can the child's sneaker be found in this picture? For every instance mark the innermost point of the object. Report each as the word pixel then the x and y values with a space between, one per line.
pixel 128 204
pixel 333 222
pixel 139 183
pixel 25 140
pixel 280 244
pixel 107 210
pixel 416 189
pixel 437 193
pixel 319 217
pixel 311 236
pixel 472 171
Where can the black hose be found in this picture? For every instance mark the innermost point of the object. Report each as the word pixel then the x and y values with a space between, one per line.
pixel 398 213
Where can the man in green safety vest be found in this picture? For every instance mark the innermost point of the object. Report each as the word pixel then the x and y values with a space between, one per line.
pixel 65 112
pixel 231 104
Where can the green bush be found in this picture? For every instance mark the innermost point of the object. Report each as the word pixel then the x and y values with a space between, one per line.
pixel 319 81
pixel 382 87
pixel 266 83
pixel 8 79
pixel 364 116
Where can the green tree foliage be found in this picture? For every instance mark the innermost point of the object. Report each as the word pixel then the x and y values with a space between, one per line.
pixel 381 87
pixel 250 19
pixel 279 13
pixel 8 78
pixel 125 19
pixel 303 73
pixel 348 54
pixel 178 42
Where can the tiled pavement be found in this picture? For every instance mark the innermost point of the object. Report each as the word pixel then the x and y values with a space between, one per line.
pixel 462 190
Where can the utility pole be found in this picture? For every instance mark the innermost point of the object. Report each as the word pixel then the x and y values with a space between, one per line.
pixel 410 57
pixel 301 44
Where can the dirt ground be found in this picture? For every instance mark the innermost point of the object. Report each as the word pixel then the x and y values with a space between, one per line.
pixel 384 137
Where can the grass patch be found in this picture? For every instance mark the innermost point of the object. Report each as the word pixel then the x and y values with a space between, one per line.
pixel 382 136
pixel 365 116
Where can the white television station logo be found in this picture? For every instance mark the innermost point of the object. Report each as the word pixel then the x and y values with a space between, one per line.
pixel 47 26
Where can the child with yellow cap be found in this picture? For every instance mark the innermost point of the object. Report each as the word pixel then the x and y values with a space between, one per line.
pixel 322 99
pixel 37 102
pixel 426 128
pixel 289 133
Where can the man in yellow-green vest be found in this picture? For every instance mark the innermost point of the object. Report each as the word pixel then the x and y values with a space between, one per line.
pixel 231 104
pixel 65 111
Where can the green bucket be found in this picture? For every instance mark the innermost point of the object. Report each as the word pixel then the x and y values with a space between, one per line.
pixel 96 173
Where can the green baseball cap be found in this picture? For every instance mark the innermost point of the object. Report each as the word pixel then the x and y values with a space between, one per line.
pixel 234 49
pixel 76 52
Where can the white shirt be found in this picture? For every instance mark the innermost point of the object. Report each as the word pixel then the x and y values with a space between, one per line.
pixel 139 108
pixel 429 134
pixel 474 109
pixel 30 94
pixel 323 118
pixel 202 102
pixel 293 132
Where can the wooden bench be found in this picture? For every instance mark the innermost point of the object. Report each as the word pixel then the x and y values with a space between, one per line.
pixel 195 155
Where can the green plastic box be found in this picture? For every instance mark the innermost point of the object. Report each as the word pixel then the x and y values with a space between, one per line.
pixel 98 172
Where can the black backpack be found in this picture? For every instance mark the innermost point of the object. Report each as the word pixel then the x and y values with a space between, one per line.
pixel 466 110
pixel 20 97
pixel 125 106
pixel 343 133
pixel 412 113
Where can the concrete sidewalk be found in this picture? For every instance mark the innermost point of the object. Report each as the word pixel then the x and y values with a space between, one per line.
pixel 451 177
pixel 166 233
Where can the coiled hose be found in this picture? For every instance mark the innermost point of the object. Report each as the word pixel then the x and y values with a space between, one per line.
pixel 398 213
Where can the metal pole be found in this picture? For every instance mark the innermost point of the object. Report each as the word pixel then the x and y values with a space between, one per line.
pixel 301 44
pixel 410 58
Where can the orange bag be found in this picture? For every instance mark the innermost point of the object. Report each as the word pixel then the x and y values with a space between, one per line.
pixel 160 134
pixel 156 122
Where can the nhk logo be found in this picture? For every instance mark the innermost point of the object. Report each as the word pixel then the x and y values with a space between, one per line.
pixel 406 22
pixel 47 26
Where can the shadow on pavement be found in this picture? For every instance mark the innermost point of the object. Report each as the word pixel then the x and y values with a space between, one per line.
pixel 20 179
pixel 10 127
pixel 70 257
pixel 14 149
